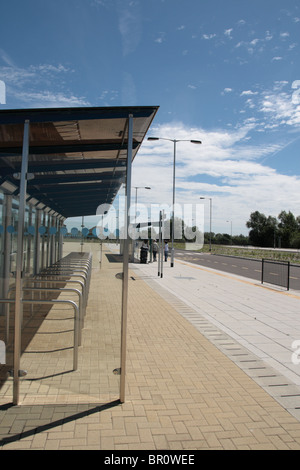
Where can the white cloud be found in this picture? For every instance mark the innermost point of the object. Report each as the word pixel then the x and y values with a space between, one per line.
pixel 130 25
pixel 50 99
pixel 281 109
pixel 226 167
pixel 161 38
pixel 49 68
pixel 268 36
pixel 6 58
pixel 257 44
pixel 107 96
pixel 227 90
pixel 208 36
pixel 228 32
pixel 22 84
pixel 279 106
pixel 248 92
pixel 276 58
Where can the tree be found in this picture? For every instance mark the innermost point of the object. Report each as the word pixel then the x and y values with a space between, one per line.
pixel 240 240
pixel 223 239
pixel 262 229
pixel 288 228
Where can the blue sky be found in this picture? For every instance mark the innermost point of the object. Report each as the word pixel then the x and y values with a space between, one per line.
pixel 223 71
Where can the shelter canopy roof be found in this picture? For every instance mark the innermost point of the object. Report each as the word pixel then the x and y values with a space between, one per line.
pixel 77 156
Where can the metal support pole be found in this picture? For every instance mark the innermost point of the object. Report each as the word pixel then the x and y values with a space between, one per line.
pixel 29 241
pixel 210 222
pixel 126 259
pixel 52 241
pixel 57 240
pixel 173 209
pixel 134 241
pixel 48 242
pixel 19 265
pixel 159 246
pixel 43 222
pixel 162 242
pixel 37 250
pixel 60 240
pixel 6 258
pixel 81 243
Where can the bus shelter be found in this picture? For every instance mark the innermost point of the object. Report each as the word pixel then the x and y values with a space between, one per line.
pixel 57 164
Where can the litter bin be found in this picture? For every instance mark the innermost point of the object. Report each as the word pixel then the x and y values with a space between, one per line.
pixel 144 253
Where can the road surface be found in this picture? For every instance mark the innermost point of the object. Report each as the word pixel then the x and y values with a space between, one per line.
pixel 246 267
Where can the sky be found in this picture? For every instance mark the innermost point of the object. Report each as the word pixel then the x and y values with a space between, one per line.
pixel 226 72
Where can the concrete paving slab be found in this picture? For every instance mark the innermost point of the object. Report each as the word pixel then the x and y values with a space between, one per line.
pixel 191 380
pixel 263 319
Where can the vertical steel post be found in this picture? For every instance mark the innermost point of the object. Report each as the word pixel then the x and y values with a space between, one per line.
pixel 173 209
pixel 48 241
pixel 210 222
pixel 52 241
pixel 126 259
pixel 159 245
pixel 60 240
pixel 6 258
pixel 29 244
pixel 37 244
pixel 19 267
pixel 43 222
pixel 162 242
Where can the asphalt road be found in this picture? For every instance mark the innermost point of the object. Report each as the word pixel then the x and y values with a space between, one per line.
pixel 249 268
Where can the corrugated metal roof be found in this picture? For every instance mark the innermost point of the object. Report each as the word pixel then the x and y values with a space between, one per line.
pixel 77 156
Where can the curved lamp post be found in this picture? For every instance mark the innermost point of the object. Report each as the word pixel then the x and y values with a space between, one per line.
pixel 136 189
pixel 174 165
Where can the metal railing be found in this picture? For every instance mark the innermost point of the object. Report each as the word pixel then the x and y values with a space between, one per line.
pixel 276 272
pixel 49 289
pixel 52 302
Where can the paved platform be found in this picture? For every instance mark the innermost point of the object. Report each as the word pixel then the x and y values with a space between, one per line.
pixel 208 367
pixel 257 326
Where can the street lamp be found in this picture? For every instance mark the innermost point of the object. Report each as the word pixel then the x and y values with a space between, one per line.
pixel 174 165
pixel 136 189
pixel 210 218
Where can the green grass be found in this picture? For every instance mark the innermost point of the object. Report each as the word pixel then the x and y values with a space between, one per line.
pixel 243 252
